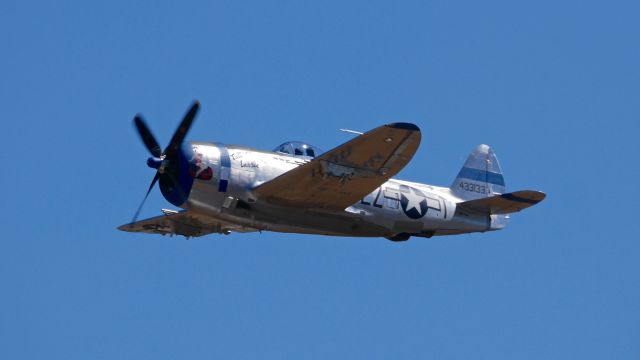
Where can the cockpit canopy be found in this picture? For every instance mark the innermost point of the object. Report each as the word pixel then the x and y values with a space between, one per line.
pixel 299 149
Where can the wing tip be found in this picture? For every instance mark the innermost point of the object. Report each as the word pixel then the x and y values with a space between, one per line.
pixel 125 227
pixel 404 126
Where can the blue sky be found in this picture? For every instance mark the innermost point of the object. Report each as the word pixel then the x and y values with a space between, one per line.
pixel 551 85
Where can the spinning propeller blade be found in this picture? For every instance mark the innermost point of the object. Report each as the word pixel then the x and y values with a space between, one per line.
pixel 147 137
pixel 153 182
pixel 181 131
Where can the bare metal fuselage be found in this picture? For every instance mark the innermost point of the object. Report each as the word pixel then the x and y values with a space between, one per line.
pixel 395 209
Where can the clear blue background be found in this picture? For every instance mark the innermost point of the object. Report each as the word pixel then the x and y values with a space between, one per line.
pixel 553 86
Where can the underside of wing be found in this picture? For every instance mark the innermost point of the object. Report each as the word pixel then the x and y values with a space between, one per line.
pixel 344 175
pixel 184 223
pixel 505 203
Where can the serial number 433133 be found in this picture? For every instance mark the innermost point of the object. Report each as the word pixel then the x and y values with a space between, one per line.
pixel 481 189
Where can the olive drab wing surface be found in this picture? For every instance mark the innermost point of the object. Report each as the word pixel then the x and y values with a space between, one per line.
pixel 344 175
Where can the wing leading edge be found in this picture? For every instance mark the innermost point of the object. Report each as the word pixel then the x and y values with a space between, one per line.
pixel 347 173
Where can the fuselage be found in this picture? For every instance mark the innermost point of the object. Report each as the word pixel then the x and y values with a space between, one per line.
pixel 223 177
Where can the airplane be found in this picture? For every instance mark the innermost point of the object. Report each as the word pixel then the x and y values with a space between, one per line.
pixel 298 188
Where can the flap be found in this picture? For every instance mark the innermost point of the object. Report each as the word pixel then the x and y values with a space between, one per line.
pixel 186 223
pixel 505 203
pixel 344 175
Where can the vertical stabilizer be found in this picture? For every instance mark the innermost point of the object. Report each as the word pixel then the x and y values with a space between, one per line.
pixel 481 175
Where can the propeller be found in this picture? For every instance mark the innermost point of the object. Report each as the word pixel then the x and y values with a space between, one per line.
pixel 170 153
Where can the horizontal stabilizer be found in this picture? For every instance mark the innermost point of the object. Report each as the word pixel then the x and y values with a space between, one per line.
pixel 504 203
pixel 185 223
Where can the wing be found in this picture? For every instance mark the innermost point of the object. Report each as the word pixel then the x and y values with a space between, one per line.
pixel 505 203
pixel 184 223
pixel 344 175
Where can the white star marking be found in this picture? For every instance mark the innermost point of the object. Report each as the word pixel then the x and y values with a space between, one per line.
pixel 413 202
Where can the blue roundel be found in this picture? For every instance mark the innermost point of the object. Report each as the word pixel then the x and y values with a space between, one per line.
pixel 413 202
